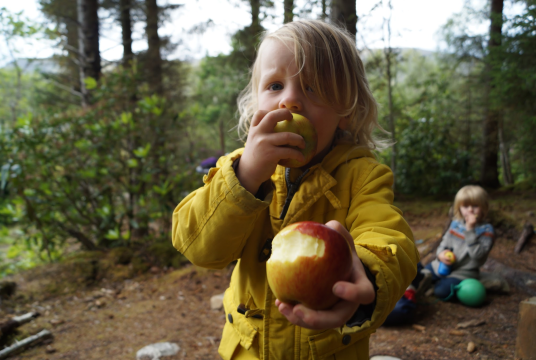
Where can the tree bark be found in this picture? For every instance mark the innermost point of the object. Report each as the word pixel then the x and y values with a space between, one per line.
pixel 289 10
pixel 392 128
pixel 126 31
pixel 90 28
pixel 88 44
pixel 324 14
pixel 154 58
pixel 490 173
pixel 343 13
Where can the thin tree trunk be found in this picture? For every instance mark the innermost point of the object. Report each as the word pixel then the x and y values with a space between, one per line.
pixel 222 135
pixel 324 14
pixel 126 31
pixel 81 52
pixel 343 12
pixel 91 38
pixel 490 173
pixel 255 12
pixel 154 58
pixel 289 10
pixel 505 158
pixel 392 128
pixel 88 42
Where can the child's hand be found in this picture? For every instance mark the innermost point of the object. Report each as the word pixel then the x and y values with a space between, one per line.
pixel 359 290
pixel 264 148
pixel 470 221
pixel 443 258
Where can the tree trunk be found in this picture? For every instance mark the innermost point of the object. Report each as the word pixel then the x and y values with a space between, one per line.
pixel 343 13
pixel 388 56
pixel 490 173
pixel 126 31
pixel 505 158
pixel 324 14
pixel 154 59
pixel 90 26
pixel 289 11
pixel 222 135
pixel 255 12
pixel 88 44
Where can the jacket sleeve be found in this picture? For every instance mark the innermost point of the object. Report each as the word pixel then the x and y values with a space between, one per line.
pixel 383 239
pixel 211 225
pixel 445 241
pixel 479 246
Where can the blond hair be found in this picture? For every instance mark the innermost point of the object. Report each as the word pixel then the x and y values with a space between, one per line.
pixel 471 195
pixel 328 61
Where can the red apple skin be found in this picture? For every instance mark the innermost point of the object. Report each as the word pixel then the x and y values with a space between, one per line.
pixel 309 280
pixel 302 126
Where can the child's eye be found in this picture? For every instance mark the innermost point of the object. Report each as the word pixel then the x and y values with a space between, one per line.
pixel 309 88
pixel 275 87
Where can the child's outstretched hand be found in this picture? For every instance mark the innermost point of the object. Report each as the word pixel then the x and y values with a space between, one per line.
pixel 265 148
pixel 359 290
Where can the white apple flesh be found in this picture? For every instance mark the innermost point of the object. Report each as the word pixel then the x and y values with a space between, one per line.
pixel 307 259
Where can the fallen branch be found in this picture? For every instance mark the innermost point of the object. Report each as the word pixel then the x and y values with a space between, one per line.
pixel 24 344
pixel 528 231
pixel 10 325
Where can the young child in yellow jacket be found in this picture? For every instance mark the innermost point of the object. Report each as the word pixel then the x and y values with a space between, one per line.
pixel 313 69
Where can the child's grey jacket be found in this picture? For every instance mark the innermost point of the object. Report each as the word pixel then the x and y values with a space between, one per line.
pixel 471 248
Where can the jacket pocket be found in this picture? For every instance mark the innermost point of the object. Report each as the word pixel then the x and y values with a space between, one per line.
pixel 236 326
pixel 229 342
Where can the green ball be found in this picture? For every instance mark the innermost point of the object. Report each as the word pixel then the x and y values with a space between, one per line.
pixel 471 292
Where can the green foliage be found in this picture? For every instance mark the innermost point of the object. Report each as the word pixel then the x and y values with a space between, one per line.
pixel 216 84
pixel 434 154
pixel 430 160
pixel 108 176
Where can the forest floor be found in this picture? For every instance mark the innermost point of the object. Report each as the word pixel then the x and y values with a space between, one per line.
pixel 113 320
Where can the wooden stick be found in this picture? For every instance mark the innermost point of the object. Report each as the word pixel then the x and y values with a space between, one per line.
pixel 528 230
pixel 10 325
pixel 26 343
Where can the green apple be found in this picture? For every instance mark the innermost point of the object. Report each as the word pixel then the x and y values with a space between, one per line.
pixel 302 126
pixel 307 259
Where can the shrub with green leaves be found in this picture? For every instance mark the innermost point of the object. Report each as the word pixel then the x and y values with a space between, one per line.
pixel 107 175
pixel 431 162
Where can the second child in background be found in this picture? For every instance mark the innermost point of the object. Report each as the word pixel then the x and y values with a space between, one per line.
pixel 463 250
pixel 469 238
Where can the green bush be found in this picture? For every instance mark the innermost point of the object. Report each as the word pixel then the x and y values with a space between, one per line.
pixel 108 175
pixel 430 161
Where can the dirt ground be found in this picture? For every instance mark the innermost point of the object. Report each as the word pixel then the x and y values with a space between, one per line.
pixel 115 320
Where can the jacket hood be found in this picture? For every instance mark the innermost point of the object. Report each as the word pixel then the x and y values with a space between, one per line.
pixel 343 153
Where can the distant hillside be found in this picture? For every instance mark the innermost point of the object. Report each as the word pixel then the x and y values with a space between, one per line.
pixel 47 65
pixel 365 54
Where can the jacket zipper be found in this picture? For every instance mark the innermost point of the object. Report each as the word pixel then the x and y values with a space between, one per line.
pixel 292 189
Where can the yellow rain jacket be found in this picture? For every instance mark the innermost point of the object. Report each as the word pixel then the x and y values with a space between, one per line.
pixel 222 222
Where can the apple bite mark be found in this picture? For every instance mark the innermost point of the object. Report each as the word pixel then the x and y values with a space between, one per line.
pixel 307 259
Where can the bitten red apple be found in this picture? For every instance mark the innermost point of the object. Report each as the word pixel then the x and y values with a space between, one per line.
pixel 302 126
pixel 307 259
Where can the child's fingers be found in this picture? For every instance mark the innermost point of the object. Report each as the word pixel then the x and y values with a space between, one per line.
pixel 284 152
pixel 268 121
pixel 323 319
pixel 288 139
pixel 360 293
pixel 337 226
pixel 258 116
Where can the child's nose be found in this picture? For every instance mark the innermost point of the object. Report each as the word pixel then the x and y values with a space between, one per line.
pixel 291 101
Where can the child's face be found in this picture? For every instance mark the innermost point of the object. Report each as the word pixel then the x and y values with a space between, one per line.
pixel 468 210
pixel 280 88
